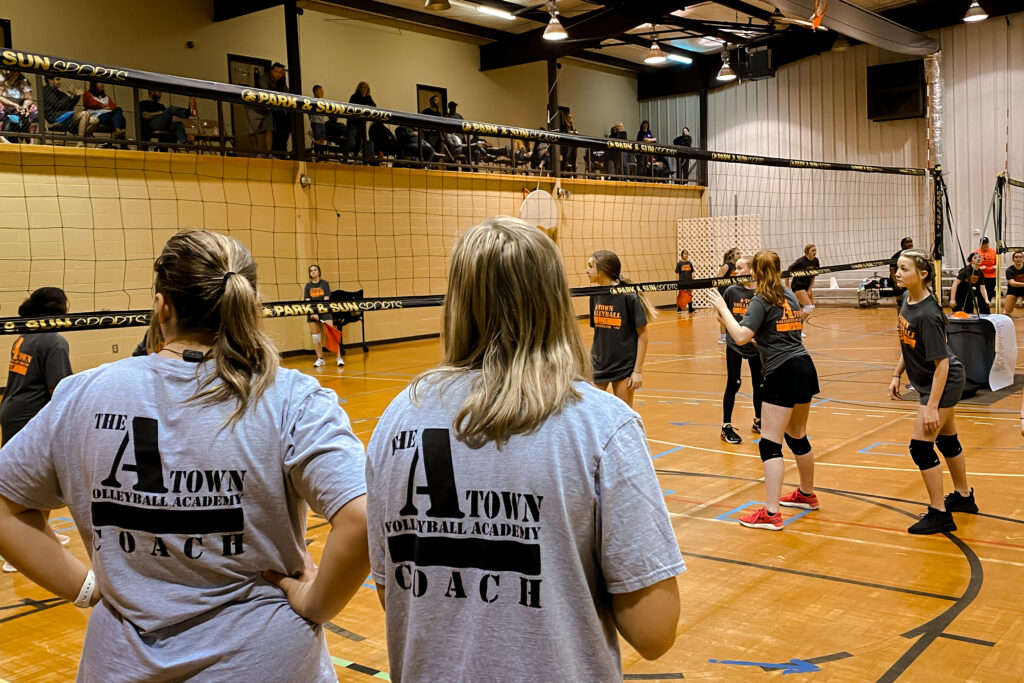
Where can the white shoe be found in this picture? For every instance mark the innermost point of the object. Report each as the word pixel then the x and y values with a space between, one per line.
pixel 64 540
pixel 803 335
pixel 341 362
pixel 721 340
pixel 319 363
pixel 9 568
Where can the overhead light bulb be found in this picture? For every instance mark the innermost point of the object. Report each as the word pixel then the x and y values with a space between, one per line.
pixel 655 55
pixel 494 12
pixel 975 12
pixel 437 5
pixel 555 31
pixel 726 74
pixel 680 59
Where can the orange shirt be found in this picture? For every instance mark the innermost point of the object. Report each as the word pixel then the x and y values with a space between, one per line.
pixel 988 261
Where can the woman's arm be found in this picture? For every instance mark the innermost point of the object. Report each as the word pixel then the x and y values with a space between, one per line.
pixel 636 379
pixel 741 335
pixel 894 383
pixel 27 544
pixel 952 292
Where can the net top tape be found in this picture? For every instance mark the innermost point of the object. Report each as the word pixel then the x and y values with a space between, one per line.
pixel 283 309
pixel 236 94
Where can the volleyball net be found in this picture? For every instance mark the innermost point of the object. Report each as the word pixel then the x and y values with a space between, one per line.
pixel 93 221
pixel 1009 195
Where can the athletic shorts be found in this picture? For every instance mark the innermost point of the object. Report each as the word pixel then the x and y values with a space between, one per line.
pixel 1015 291
pixel 793 382
pixel 952 391
pixel 799 287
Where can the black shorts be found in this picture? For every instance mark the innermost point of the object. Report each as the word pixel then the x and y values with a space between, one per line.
pixel 952 391
pixel 793 382
pixel 1015 291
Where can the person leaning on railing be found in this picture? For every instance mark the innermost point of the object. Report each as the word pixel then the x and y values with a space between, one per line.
pixel 59 109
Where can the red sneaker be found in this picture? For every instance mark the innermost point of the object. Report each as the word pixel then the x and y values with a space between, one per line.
pixel 799 500
pixel 760 519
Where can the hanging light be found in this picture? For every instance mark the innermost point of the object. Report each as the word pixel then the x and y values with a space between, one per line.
pixel 437 5
pixel 975 12
pixel 554 31
pixel 655 55
pixel 726 74
pixel 841 44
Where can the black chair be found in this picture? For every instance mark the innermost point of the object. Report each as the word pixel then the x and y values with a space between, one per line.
pixel 342 319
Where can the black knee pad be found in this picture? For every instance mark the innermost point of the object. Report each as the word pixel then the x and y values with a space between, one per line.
pixel 801 446
pixel 948 445
pixel 769 450
pixel 923 454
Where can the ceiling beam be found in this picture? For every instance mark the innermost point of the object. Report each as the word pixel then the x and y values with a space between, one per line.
pixel 423 18
pixel 229 9
pixel 746 8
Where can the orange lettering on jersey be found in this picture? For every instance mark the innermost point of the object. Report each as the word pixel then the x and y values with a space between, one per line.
pixel 906 333
pixel 686 268
pixel 19 360
pixel 316 293
pixel 606 317
pixel 740 307
pixel 790 321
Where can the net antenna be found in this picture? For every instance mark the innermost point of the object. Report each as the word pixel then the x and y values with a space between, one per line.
pixel 820 6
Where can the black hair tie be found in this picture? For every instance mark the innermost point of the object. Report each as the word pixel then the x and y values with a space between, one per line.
pixel 227 275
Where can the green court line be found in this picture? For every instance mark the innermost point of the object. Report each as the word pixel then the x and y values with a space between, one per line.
pixel 345 664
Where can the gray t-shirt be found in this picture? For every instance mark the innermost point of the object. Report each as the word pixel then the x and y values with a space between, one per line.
pixel 776 330
pixel 615 319
pixel 180 516
pixel 498 564
pixel 922 333
pixel 737 298
pixel 38 363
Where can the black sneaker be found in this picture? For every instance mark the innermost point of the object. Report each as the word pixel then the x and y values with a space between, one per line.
pixel 756 427
pixel 729 434
pixel 957 503
pixel 933 522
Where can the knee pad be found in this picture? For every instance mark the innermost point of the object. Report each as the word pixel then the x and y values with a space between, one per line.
pixel 948 445
pixel 769 450
pixel 923 454
pixel 316 338
pixel 801 446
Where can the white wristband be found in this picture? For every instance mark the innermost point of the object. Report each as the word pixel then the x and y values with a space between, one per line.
pixel 88 588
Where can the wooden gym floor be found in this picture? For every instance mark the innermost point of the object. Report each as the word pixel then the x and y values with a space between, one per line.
pixel 842 594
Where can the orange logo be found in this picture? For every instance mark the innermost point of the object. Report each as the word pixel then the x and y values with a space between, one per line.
pixel 606 317
pixel 906 333
pixel 686 268
pixel 790 321
pixel 740 307
pixel 316 293
pixel 19 360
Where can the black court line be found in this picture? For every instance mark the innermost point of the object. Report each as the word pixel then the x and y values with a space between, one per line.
pixel 965 639
pixel 652 677
pixel 824 577
pixel 343 632
pixel 829 658
pixel 39 605
pixel 317 526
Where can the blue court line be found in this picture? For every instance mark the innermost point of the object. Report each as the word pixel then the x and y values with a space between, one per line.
pixel 818 403
pixel 870 449
pixel 667 492
pixel 671 450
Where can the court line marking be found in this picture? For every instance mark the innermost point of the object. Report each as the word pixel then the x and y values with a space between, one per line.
pixel 817 462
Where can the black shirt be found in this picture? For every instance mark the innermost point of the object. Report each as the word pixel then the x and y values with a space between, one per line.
pixel 776 330
pixel 56 102
pixel 737 298
pixel 683 141
pixel 151 107
pixel 318 290
pixel 922 333
pixel 38 363
pixel 684 269
pixel 973 279
pixel 803 263
pixel 1014 278
pixel 615 319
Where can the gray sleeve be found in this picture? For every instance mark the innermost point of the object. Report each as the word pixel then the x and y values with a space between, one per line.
pixel 756 313
pixel 28 472
pixel 324 460
pixel 375 495
pixel 56 363
pixel 637 545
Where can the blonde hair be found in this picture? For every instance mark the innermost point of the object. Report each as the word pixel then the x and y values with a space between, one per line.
pixel 508 318
pixel 767 272
pixel 807 249
pixel 210 280
pixel 923 264
pixel 608 263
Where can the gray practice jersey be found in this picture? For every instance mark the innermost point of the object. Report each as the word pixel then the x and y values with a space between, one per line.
pixel 498 564
pixel 776 330
pixel 181 513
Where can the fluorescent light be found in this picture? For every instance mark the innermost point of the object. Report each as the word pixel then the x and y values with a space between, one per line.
pixel 655 55
pixel 975 12
pixel 555 31
pixel 494 12
pixel 680 59
pixel 437 5
pixel 726 74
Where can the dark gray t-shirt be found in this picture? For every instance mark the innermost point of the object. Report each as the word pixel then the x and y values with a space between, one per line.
pixel 737 298
pixel 922 334
pixel 38 363
pixel 615 318
pixel 498 564
pixel 804 263
pixel 180 516
pixel 776 330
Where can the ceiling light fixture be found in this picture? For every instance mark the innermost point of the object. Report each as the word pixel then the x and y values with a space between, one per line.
pixel 680 59
pixel 841 44
pixel 654 54
pixel 554 30
pixel 975 12
pixel 437 5
pixel 495 12
pixel 726 74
